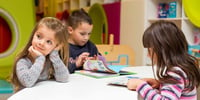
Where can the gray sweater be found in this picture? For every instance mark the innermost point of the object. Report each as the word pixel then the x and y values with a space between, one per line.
pixel 29 73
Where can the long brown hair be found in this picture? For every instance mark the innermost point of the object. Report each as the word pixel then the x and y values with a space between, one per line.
pixel 61 36
pixel 170 46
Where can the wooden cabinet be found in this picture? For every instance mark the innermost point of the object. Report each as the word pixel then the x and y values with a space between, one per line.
pixel 51 7
pixel 132 27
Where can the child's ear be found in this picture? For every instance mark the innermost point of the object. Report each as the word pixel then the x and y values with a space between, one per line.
pixel 70 29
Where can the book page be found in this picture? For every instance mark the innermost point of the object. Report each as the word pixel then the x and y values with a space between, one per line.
pixel 96 65
pixel 95 74
pixel 121 81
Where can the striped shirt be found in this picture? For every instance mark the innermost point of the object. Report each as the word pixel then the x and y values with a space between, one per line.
pixel 168 91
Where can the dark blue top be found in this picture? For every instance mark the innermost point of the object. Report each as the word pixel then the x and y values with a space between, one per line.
pixel 75 51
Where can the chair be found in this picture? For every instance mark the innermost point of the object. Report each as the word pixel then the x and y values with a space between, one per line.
pixel 117 54
pixel 100 29
pixel 6 90
pixel 5 87
pixel 198 93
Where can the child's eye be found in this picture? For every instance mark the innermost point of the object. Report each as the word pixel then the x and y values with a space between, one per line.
pixel 49 42
pixel 82 34
pixel 38 36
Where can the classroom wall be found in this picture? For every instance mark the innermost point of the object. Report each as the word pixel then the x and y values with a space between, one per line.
pixel 23 14
pixel 132 27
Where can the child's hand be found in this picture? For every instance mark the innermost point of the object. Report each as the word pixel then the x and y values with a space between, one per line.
pixel 92 58
pixel 54 55
pixel 133 83
pixel 153 82
pixel 34 53
pixel 81 59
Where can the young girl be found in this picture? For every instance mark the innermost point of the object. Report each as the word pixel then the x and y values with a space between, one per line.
pixel 177 72
pixel 44 57
pixel 79 25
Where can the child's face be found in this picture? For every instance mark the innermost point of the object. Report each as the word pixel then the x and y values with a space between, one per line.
pixel 44 40
pixel 81 34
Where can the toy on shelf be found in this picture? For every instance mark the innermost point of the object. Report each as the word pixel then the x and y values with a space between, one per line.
pixel 172 10
pixel 167 10
pixel 196 36
pixel 163 10
pixel 194 50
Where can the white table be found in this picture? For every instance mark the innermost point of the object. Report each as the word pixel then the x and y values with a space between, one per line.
pixel 82 87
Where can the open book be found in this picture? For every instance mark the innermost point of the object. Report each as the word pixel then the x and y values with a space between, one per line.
pixel 121 81
pixel 100 69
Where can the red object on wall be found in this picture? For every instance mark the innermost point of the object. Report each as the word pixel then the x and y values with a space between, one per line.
pixel 5 35
pixel 112 11
pixel 63 16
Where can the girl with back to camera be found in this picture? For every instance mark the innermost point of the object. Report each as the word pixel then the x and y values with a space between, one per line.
pixel 177 72
pixel 79 25
pixel 44 57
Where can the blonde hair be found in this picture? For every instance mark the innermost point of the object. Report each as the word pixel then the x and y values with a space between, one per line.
pixel 61 36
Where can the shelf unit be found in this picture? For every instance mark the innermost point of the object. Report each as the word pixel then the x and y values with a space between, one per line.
pixel 51 7
pixel 141 15
pixel 181 19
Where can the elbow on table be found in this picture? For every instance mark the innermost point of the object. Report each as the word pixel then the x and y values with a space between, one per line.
pixel 63 79
pixel 28 85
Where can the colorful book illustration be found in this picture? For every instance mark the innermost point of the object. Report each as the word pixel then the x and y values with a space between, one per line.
pixel 163 9
pixel 121 81
pixel 172 9
pixel 100 69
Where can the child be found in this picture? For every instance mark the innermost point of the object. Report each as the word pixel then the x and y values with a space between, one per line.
pixel 79 25
pixel 44 57
pixel 177 72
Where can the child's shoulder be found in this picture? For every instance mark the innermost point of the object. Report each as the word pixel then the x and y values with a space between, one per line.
pixel 177 71
pixel 23 61
pixel 90 44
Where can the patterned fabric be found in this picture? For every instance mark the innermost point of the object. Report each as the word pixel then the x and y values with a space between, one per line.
pixel 29 73
pixel 168 91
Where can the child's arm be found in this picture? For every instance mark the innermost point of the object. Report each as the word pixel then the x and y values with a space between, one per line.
pixel 153 82
pixel 78 63
pixel 71 67
pixel 28 72
pixel 167 91
pixel 61 71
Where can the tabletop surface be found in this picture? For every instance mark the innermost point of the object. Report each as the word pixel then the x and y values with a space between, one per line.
pixel 82 87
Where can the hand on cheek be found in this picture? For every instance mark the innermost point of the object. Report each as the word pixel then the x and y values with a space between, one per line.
pixel 34 53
